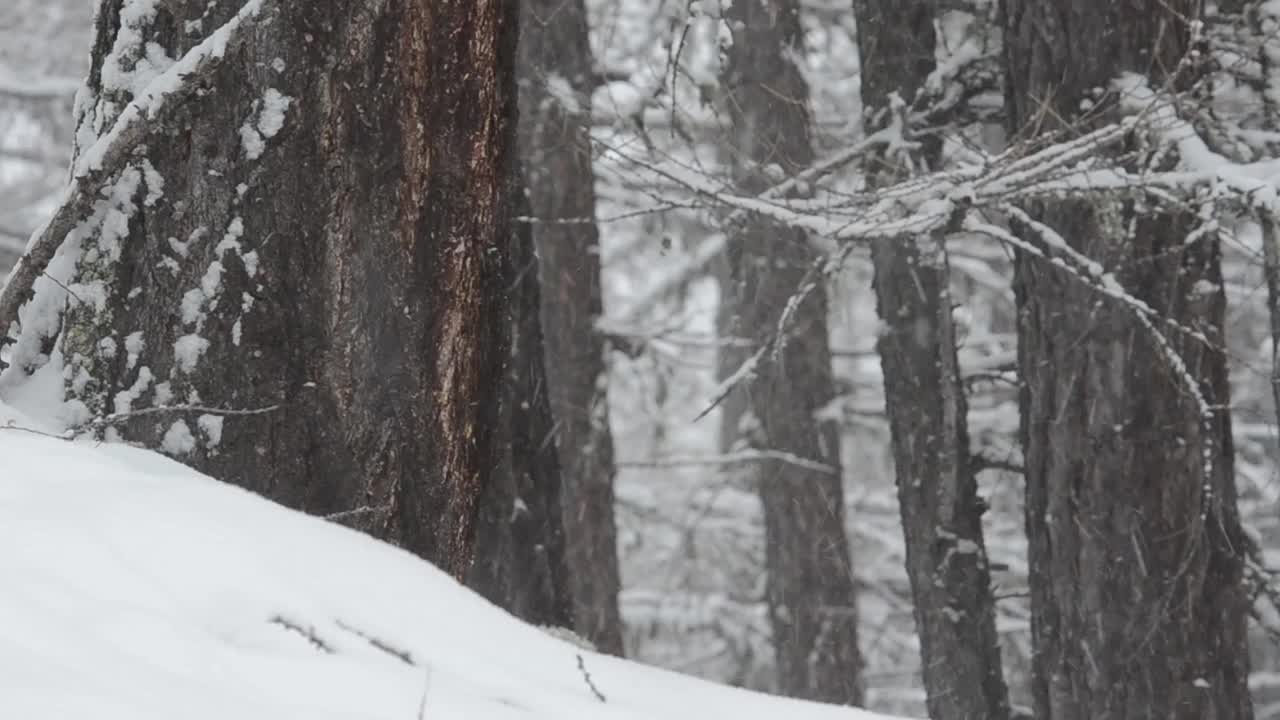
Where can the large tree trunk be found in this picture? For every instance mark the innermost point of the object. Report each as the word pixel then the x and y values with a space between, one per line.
pixel 810 591
pixel 1136 550
pixel 555 92
pixel 324 226
pixel 925 402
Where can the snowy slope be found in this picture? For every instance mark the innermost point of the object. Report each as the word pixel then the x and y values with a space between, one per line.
pixel 137 589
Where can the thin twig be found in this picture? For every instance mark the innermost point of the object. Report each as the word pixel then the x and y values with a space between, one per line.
pixel 742 456
pixel 401 655
pixel 114 418
pixel 308 632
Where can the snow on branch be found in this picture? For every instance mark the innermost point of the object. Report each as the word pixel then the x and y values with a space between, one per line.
pixel 1076 167
pixel 111 152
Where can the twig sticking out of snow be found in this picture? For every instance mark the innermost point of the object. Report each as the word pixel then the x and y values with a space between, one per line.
pixel 586 676
pixel 426 688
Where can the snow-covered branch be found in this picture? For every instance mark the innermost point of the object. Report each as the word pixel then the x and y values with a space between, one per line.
pixel 141 119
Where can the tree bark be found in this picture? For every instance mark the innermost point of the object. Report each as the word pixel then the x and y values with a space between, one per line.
pixel 941 512
pixel 1264 20
pixel 323 226
pixel 555 92
pixel 521 562
pixel 1136 550
pixel 810 593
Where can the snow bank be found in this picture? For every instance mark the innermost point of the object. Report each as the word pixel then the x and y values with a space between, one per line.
pixel 137 589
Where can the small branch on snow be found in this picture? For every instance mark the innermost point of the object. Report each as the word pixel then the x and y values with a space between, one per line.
pixel 307 632
pixel 401 655
pixel 586 676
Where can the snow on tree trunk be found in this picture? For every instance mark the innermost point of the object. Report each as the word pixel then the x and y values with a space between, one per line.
pixel 555 91
pixel 941 512
pixel 323 226
pixel 1136 550
pixel 810 592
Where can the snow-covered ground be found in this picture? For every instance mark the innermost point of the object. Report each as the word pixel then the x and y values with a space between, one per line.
pixel 135 588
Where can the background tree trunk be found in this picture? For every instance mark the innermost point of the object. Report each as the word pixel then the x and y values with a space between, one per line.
pixel 812 606
pixel 925 401
pixel 324 228
pixel 520 546
pixel 555 92
pixel 1136 553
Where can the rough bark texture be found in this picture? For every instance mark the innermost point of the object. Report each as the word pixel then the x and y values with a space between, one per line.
pixel 325 227
pixel 946 556
pixel 1137 605
pixel 810 592
pixel 555 91
pixel 520 545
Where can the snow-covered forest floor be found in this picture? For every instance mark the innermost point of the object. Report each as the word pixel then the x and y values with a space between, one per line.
pixel 136 588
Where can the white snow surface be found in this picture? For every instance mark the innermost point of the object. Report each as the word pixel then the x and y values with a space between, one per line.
pixel 138 589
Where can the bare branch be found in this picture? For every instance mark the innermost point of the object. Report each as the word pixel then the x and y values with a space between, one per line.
pixel 733 458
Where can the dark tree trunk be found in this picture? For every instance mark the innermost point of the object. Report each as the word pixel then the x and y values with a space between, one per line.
pixel 810 590
pixel 324 227
pixel 555 95
pixel 1136 550
pixel 520 546
pixel 925 403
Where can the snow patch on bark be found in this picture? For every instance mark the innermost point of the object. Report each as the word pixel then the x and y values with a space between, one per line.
pixel 178 439
pixel 270 119
pixel 187 351
pixel 133 347
pixel 211 426
pixel 123 401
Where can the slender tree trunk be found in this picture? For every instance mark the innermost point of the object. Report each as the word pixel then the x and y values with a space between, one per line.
pixel 925 403
pixel 729 356
pixel 323 227
pixel 812 607
pixel 1265 21
pixel 1136 551
pixel 520 546
pixel 555 91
